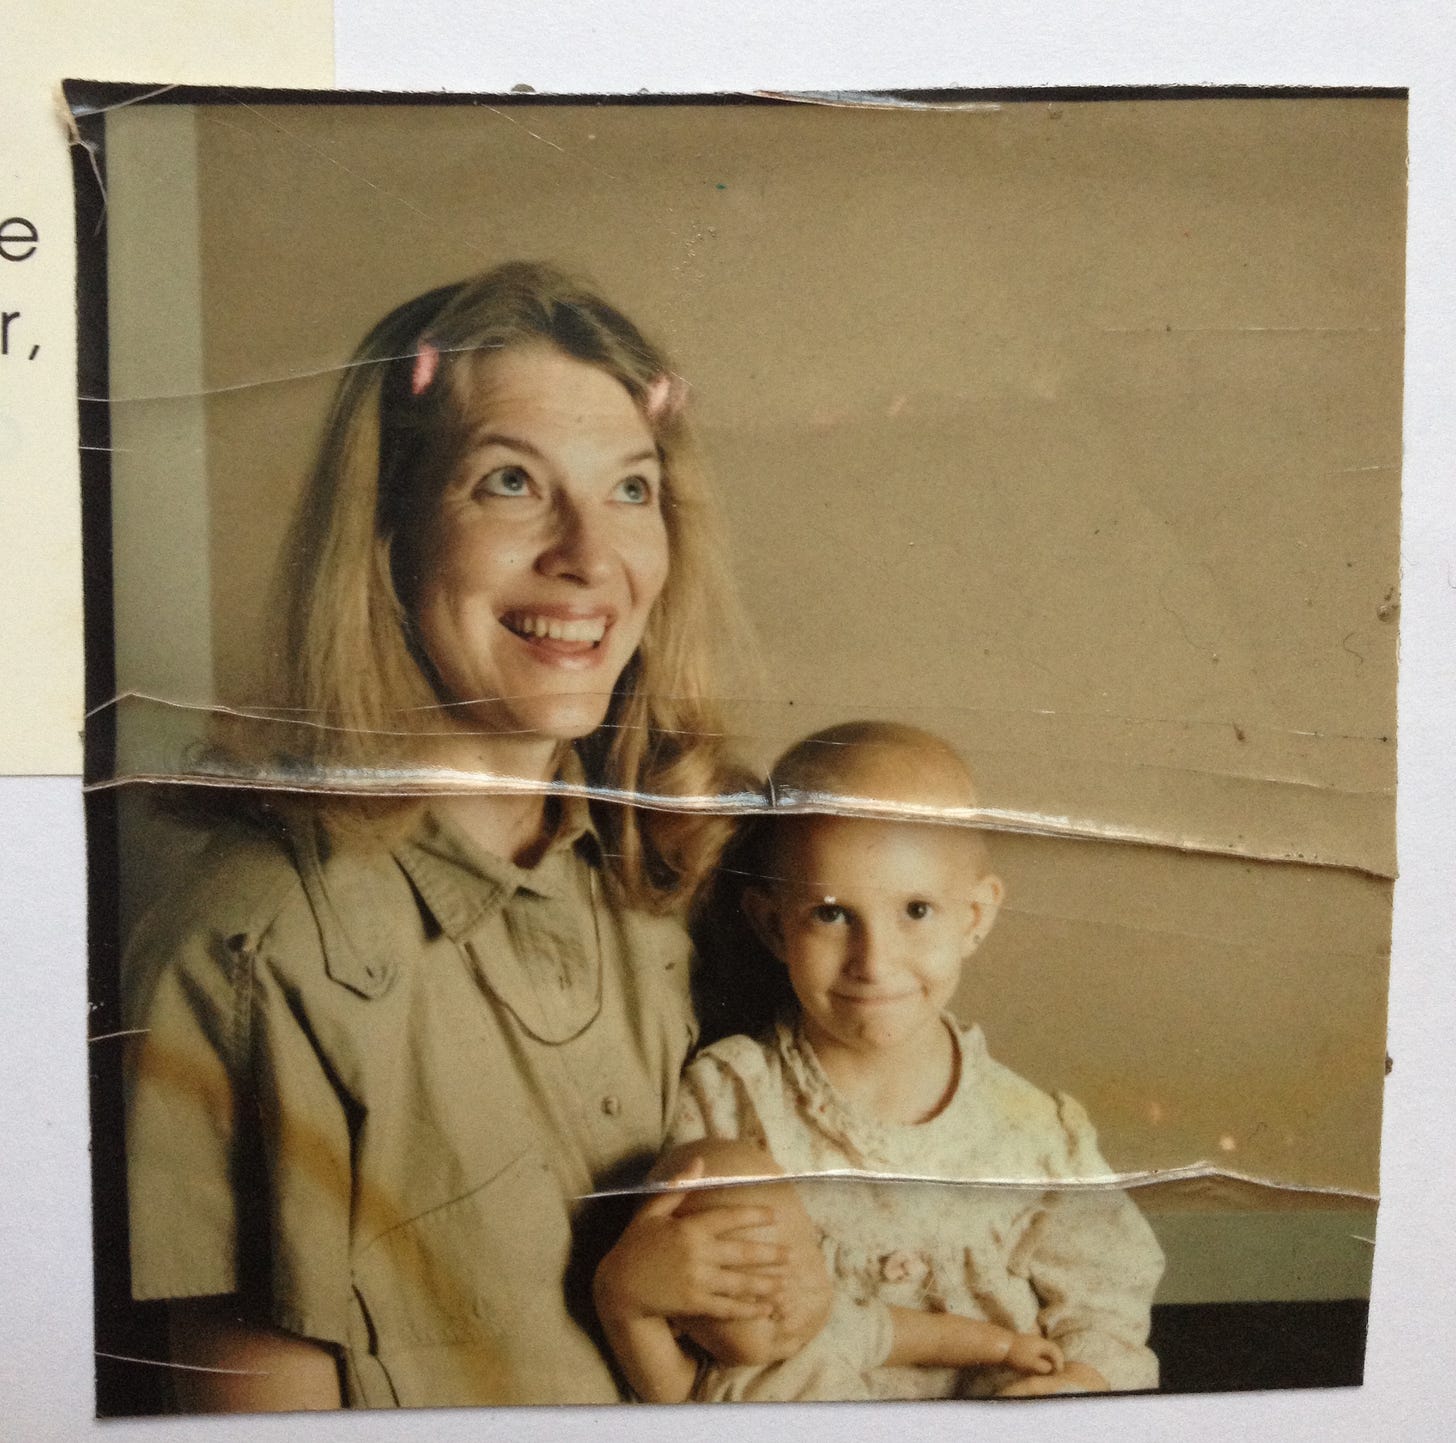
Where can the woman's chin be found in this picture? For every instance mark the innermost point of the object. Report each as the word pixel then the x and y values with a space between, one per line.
pixel 561 718
pixel 564 718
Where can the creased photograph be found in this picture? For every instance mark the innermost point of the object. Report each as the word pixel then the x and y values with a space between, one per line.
pixel 740 748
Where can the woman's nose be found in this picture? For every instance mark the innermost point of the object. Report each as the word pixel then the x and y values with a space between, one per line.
pixel 579 549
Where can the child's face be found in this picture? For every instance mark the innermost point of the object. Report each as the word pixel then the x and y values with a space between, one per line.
pixel 873 921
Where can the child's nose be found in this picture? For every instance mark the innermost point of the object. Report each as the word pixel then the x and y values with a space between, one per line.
pixel 870 956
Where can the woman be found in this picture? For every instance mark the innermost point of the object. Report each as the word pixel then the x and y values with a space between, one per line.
pixel 390 1045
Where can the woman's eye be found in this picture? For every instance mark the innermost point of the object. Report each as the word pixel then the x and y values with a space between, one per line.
pixel 505 481
pixel 828 913
pixel 918 911
pixel 635 490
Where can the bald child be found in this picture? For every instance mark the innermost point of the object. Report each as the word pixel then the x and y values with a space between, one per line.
pixel 873 893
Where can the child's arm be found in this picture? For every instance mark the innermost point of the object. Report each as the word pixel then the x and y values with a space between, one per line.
pixel 1095 1268
pixel 950 1340
pixel 649 1354
pixel 664 1266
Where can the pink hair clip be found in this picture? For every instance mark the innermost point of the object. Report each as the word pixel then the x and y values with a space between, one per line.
pixel 427 362
pixel 665 396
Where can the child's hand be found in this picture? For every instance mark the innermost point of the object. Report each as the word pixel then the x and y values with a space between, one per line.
pixel 802 1306
pixel 1031 1353
pixel 664 1266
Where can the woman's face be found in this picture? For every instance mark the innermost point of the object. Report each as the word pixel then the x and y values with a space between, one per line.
pixel 547 551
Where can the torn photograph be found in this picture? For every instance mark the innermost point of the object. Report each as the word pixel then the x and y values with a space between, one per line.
pixel 739 748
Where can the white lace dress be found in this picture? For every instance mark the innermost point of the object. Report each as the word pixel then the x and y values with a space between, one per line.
pixel 979 1232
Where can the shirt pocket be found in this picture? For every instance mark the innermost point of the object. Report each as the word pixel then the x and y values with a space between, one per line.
pixel 473 1269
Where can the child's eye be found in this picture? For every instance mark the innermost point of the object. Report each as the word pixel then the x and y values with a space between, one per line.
pixel 635 490
pixel 918 911
pixel 828 913
pixel 505 481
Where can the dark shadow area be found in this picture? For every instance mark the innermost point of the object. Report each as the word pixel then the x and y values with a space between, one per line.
pixel 1203 1348
pixel 1230 1347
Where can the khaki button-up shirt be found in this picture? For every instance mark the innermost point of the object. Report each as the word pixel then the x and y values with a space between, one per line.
pixel 373 1085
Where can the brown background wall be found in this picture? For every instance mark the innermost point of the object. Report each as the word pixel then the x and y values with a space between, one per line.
pixel 1070 431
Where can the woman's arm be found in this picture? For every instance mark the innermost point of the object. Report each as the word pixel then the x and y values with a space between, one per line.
pixel 949 1340
pixel 691 1266
pixel 224 1365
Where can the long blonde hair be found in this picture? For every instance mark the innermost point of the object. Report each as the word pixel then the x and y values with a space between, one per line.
pixel 349 670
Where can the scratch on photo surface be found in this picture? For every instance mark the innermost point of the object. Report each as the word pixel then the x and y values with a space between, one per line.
pixel 69 116
pixel 373 185
pixel 85 111
pixel 1176 615
pixel 1142 928
pixel 1067 713
pixel 1168 329
pixel 120 1032
pixel 873 100
pixel 185 1367
pixel 234 386
pixel 546 140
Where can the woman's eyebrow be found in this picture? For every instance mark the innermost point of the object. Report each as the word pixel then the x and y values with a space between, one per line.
pixel 484 439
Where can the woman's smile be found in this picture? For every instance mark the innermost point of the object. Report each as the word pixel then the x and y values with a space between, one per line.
pixel 553 633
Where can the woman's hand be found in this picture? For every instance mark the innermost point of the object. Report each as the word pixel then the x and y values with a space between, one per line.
pixel 667 1266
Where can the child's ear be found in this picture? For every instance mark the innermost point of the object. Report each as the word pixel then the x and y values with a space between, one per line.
pixel 986 899
pixel 763 917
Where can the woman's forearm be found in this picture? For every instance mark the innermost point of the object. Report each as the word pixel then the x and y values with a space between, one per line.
pixel 227 1366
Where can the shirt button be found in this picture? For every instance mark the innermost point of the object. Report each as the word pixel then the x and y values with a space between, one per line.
pixel 611 1105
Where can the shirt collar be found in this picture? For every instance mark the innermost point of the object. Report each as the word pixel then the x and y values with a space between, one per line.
pixel 461 883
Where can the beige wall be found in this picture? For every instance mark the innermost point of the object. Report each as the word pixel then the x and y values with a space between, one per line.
pixel 1070 431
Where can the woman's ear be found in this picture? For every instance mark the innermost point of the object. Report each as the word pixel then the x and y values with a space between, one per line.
pixel 763 917
pixel 986 898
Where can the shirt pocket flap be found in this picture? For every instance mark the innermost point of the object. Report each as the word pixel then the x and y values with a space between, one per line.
pixel 472 1269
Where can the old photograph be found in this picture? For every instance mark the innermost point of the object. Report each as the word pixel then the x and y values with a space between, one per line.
pixel 740 748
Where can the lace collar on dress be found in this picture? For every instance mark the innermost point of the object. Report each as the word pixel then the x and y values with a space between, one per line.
pixel 869 1143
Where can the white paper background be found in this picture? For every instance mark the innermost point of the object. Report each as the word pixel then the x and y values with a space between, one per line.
pixel 45 1322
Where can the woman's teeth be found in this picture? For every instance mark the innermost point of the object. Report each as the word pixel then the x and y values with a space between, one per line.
pixel 552 628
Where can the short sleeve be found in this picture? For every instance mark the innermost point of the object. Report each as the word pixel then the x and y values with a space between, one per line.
pixel 712 1102
pixel 237 1144
pixel 183 1129
pixel 1095 1266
